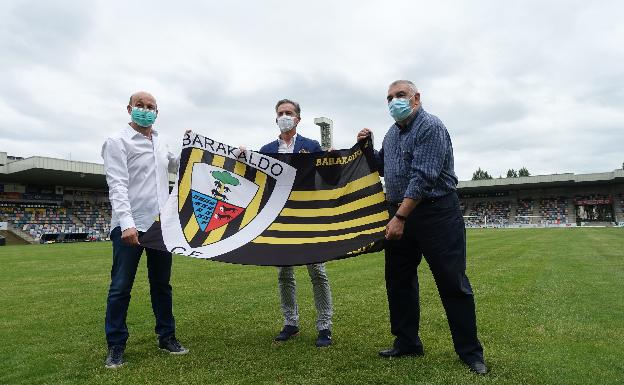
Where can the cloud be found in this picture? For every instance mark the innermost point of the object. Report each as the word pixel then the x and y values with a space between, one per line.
pixel 526 84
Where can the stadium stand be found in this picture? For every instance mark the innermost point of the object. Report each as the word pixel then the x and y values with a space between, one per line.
pixel 46 199
pixel 495 213
pixel 554 210
pixel 524 211
pixel 42 221
pixel 92 216
pixel 58 222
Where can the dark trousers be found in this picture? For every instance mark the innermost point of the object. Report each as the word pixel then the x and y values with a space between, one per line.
pixel 125 262
pixel 436 230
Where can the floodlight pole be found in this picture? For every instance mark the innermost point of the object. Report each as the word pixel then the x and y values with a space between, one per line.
pixel 327 138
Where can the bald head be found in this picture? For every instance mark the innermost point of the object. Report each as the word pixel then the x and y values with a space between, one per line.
pixel 141 95
pixel 143 100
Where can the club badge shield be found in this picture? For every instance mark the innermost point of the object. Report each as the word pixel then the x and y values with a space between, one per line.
pixel 218 197
pixel 224 198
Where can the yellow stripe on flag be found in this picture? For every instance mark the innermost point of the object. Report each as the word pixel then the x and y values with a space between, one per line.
pixel 382 216
pixel 239 169
pixel 298 241
pixel 254 205
pixel 218 161
pixel 191 228
pixel 185 184
pixel 215 235
pixel 325 195
pixel 346 208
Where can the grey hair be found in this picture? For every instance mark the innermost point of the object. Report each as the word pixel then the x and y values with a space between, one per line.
pixel 409 84
pixel 284 101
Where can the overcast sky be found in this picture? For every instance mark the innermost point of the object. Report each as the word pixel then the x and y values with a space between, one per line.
pixel 538 84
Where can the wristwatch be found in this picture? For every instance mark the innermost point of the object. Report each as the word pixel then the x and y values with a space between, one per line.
pixel 401 217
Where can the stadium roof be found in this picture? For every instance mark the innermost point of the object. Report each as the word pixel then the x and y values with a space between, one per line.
pixel 45 171
pixel 52 172
pixel 554 180
pixel 62 172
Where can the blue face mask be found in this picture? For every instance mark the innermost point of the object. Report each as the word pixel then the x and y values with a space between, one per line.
pixel 400 108
pixel 143 117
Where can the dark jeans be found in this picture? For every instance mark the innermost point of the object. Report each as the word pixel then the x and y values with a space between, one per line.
pixel 125 262
pixel 436 230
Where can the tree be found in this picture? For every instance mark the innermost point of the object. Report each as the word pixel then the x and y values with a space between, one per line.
pixel 524 172
pixel 221 180
pixel 511 173
pixel 481 175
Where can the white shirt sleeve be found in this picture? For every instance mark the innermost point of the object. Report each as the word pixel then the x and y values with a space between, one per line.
pixel 174 161
pixel 115 164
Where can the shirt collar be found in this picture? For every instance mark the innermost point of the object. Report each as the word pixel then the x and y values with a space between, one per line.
pixel 283 142
pixel 134 132
pixel 410 123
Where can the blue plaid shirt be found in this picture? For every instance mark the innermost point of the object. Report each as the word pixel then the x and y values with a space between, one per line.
pixel 417 161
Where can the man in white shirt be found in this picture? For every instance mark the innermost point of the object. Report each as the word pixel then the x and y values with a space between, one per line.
pixel 137 167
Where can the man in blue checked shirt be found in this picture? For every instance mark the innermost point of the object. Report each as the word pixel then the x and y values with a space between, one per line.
pixel 416 160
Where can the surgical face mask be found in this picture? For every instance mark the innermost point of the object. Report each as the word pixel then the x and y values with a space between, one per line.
pixel 400 108
pixel 285 123
pixel 142 116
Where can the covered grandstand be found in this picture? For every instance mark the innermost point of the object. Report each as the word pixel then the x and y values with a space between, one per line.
pixel 52 200
pixel 56 200
pixel 562 200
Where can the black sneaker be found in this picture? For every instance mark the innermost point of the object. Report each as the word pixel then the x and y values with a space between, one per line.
pixel 324 338
pixel 170 344
pixel 287 332
pixel 115 359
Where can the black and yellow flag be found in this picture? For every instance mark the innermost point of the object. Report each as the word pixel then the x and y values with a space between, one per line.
pixel 271 209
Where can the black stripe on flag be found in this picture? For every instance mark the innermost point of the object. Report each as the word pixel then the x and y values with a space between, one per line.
pixel 265 254
pixel 358 213
pixel 184 159
pixel 198 238
pixel 229 164
pixel 318 204
pixel 268 190
pixel 324 233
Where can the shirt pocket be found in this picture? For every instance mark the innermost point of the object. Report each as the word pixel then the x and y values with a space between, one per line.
pixel 161 157
pixel 407 153
pixel 407 156
pixel 406 159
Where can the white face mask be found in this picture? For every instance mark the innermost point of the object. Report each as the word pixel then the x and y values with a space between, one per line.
pixel 285 123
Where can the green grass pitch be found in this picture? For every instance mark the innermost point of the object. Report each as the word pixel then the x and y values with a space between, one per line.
pixel 550 308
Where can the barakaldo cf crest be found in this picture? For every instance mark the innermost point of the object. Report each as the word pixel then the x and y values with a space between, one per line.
pixel 225 197
pixel 271 209
pixel 219 198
